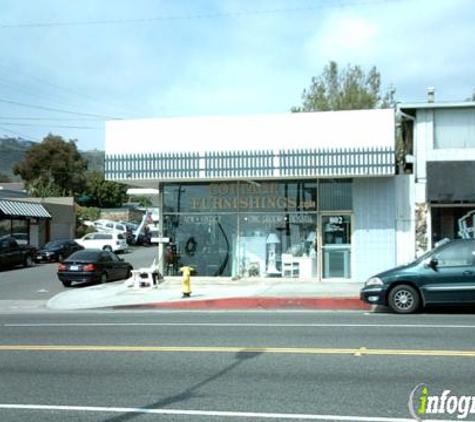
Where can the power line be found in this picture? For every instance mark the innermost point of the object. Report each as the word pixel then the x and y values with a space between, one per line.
pixel 55 126
pixel 18 134
pixel 76 119
pixel 195 16
pixel 59 110
pixel 48 94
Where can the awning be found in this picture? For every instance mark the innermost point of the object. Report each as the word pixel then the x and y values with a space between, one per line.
pixel 23 209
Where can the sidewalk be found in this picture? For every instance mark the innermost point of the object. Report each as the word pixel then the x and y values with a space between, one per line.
pixel 216 293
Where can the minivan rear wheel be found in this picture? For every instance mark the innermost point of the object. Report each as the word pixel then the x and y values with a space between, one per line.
pixel 107 248
pixel 404 299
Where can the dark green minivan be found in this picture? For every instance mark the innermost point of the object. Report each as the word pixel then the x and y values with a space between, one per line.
pixel 443 276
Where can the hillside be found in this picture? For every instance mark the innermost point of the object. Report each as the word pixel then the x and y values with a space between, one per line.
pixel 12 150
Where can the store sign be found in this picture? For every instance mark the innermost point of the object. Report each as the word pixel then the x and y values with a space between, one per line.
pixel 231 196
pixel 201 220
pixel 279 219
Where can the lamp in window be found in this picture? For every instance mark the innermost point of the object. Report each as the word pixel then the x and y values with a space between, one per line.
pixel 311 243
pixel 272 241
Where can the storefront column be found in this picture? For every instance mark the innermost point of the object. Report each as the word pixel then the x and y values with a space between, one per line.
pixel 160 257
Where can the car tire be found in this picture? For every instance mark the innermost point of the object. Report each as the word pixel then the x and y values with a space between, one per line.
pixel 107 248
pixel 66 283
pixel 103 278
pixel 28 261
pixel 129 273
pixel 404 299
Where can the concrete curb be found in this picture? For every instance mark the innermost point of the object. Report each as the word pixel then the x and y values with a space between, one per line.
pixel 321 303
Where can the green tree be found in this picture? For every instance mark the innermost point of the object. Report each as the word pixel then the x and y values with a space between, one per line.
pixel 53 167
pixel 143 201
pixel 347 89
pixel 102 193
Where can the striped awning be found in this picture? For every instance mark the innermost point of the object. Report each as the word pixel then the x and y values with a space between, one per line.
pixel 23 209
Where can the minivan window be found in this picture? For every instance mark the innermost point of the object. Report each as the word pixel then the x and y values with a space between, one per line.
pixel 103 236
pixel 459 254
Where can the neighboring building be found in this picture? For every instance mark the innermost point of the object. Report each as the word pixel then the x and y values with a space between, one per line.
pixel 306 195
pixel 35 220
pixel 440 138
pixel 23 220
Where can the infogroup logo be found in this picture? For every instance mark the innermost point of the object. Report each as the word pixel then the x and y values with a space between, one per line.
pixel 422 403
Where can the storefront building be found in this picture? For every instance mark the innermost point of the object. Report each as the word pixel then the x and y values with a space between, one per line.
pixel 309 196
pixel 22 220
pixel 442 140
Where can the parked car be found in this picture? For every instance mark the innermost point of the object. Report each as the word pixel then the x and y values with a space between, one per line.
pixel 57 250
pixel 13 254
pixel 109 226
pixel 443 276
pixel 93 265
pixel 113 242
pixel 21 238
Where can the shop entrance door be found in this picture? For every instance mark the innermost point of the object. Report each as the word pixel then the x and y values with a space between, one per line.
pixel 336 246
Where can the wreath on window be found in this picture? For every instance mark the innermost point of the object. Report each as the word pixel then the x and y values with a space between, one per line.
pixel 190 246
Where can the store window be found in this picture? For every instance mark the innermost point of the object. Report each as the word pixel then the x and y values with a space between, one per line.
pixel 277 245
pixel 5 228
pixel 20 231
pixel 256 229
pixel 204 241
pixel 452 223
pixel 243 197
pixel 336 194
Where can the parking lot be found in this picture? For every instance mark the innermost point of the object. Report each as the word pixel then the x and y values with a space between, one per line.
pixel 40 282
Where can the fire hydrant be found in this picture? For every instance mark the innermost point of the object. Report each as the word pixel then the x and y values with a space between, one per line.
pixel 186 280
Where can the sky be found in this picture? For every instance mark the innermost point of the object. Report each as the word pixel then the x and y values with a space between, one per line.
pixel 68 66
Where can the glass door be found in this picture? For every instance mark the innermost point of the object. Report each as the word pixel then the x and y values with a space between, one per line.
pixel 336 246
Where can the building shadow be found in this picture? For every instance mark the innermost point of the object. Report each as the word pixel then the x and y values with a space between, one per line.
pixel 192 391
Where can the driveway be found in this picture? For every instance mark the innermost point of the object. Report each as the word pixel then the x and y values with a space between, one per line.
pixel 40 283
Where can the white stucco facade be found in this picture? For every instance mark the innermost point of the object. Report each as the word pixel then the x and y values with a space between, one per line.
pixel 230 186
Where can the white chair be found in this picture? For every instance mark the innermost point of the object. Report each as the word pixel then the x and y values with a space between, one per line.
pixel 144 277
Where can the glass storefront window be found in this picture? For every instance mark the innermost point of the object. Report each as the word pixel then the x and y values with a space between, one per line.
pixel 255 229
pixel 200 197
pixel 5 228
pixel 336 195
pixel 273 244
pixel 452 223
pixel 20 231
pixel 202 241
pixel 242 196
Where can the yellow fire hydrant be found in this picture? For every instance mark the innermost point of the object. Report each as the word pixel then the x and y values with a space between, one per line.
pixel 186 280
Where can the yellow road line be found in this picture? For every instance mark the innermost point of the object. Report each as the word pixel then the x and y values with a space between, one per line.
pixel 284 350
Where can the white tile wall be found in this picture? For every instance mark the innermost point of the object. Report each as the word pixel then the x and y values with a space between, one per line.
pixel 374 234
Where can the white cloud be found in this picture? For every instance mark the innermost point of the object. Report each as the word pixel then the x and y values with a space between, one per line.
pixel 343 39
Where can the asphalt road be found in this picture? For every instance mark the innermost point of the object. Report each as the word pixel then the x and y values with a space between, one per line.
pixel 40 282
pixel 229 366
